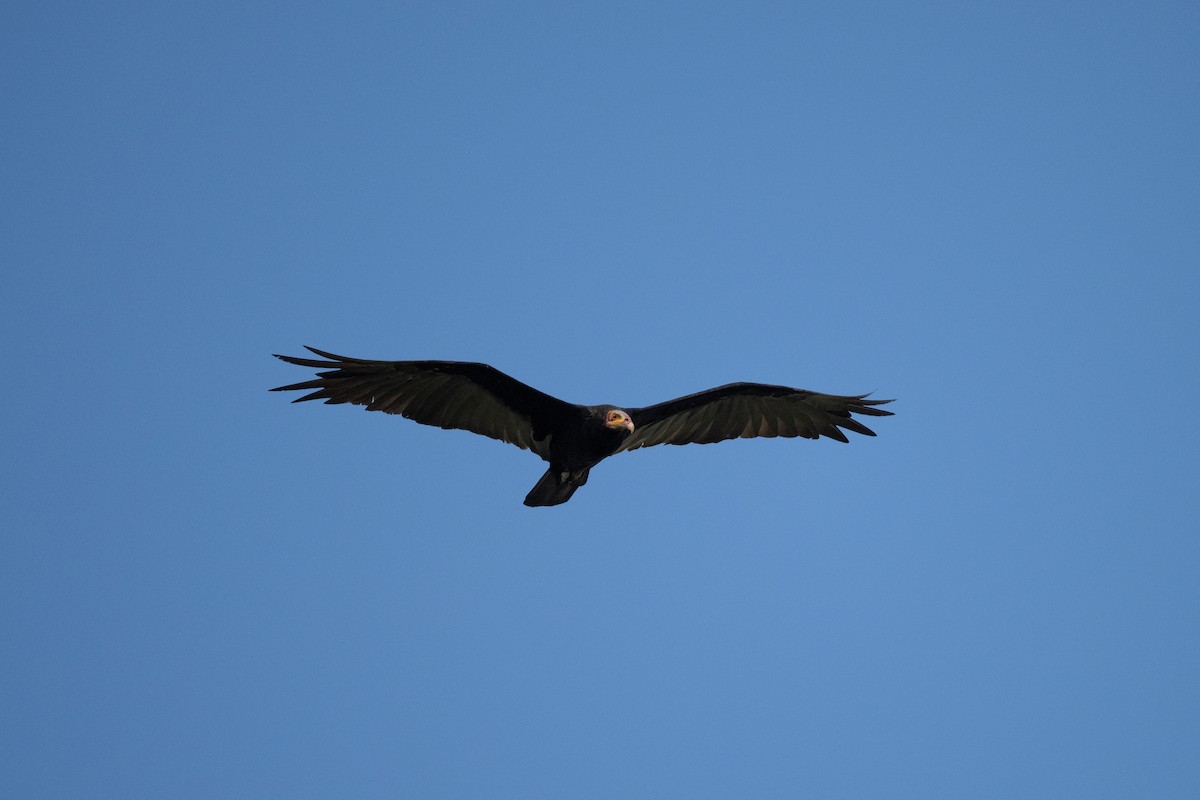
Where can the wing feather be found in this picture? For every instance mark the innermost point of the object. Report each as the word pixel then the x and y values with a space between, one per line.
pixel 448 394
pixel 748 410
pixel 788 426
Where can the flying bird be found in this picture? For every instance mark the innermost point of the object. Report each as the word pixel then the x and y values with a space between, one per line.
pixel 573 438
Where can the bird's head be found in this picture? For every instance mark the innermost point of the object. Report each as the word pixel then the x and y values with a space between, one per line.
pixel 616 419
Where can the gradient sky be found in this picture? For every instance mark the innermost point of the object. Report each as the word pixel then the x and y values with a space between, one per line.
pixel 988 211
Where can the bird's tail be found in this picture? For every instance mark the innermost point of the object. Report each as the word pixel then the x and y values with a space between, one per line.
pixel 555 487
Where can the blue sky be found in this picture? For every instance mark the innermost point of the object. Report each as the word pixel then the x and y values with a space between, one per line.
pixel 989 212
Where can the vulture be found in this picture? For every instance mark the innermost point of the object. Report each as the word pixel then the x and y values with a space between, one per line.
pixel 573 438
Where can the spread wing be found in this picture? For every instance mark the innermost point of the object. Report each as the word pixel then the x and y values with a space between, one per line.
pixel 745 410
pixel 448 394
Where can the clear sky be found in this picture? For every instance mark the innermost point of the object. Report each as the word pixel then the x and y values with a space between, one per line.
pixel 990 212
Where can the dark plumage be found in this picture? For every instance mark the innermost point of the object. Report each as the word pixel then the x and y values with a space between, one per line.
pixel 573 438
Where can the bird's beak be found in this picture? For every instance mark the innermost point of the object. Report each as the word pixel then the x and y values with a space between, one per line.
pixel 621 422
